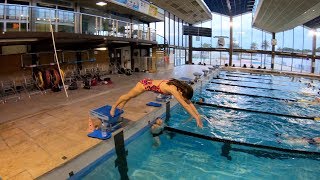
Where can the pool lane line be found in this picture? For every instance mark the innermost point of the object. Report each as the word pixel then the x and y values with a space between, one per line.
pixel 256 111
pixel 251 95
pixel 227 79
pixel 269 83
pixel 253 87
pixel 273 80
pixel 229 75
pixel 250 74
pixel 211 138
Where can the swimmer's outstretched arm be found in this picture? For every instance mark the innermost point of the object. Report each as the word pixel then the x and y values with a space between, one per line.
pixel 189 107
pixel 134 92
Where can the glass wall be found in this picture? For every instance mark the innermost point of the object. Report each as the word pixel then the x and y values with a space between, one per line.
pixel 167 26
pixel 172 27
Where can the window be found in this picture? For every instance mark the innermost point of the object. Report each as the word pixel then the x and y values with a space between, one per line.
pixel 279 38
pixel 237 32
pixel 288 41
pixel 216 29
pixel 246 29
pixel 172 31
pixel 167 30
pixel 256 39
pixel 307 41
pixel 180 33
pixel 1 11
pixel 225 29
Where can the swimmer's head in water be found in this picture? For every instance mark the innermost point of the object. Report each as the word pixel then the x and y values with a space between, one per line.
pixel 159 121
pixel 316 140
pixel 201 100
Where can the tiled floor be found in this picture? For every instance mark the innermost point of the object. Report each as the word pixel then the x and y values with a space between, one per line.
pixel 41 133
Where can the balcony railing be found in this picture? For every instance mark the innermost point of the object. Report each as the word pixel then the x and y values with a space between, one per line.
pixel 37 19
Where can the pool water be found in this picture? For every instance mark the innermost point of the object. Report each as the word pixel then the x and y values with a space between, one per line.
pixel 184 157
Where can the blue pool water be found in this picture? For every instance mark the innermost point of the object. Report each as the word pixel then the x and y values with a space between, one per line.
pixel 184 157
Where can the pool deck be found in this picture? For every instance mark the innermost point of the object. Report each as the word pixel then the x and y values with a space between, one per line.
pixel 45 132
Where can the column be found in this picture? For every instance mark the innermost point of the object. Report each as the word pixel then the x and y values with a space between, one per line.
pixel 231 42
pixel 190 48
pixel 273 50
pixel 314 42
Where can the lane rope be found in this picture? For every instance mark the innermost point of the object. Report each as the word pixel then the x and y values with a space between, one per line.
pixel 260 146
pixel 251 95
pixel 256 111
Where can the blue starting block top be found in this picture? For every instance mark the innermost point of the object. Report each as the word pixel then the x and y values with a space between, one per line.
pixel 154 104
pixel 97 134
pixel 103 113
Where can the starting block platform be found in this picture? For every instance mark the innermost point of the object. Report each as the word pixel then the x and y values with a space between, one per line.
pixel 112 123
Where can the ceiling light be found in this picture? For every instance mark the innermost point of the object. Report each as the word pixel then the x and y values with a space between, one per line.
pixel 101 3
pixel 101 49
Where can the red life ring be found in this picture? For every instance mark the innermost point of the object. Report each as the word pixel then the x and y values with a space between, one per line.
pixel 48 78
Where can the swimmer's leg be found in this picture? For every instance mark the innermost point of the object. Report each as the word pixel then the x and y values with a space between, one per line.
pixel 156 141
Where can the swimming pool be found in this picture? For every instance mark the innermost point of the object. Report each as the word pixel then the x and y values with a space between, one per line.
pixel 185 157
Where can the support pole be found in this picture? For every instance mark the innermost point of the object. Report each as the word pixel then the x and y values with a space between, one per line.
pixel 56 58
pixel 273 51
pixel 314 47
pixel 231 41
pixel 167 111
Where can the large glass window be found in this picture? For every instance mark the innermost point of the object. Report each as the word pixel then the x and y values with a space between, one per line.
pixel 180 33
pixel 172 32
pixel 298 41
pixel 257 38
pixel 308 39
pixel 89 24
pixel 176 31
pixel 278 63
pixel 225 29
pixel 246 26
pixel 279 38
pixel 185 37
pixel 206 41
pixel 216 29
pixel 237 32
pixel 288 41
pixel 1 11
pixel 318 42
pixel 196 40
pixel 160 32
pixel 196 57
pixel 167 26
pixel 215 58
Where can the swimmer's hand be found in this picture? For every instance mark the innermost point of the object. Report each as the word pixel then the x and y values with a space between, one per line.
pixel 113 109
pixel 199 122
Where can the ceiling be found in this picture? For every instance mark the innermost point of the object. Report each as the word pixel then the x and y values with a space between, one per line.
pixel 230 7
pixel 191 11
pixel 280 15
pixel 314 23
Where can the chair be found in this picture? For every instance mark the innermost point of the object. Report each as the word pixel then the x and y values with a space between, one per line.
pixel 31 86
pixel 9 91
